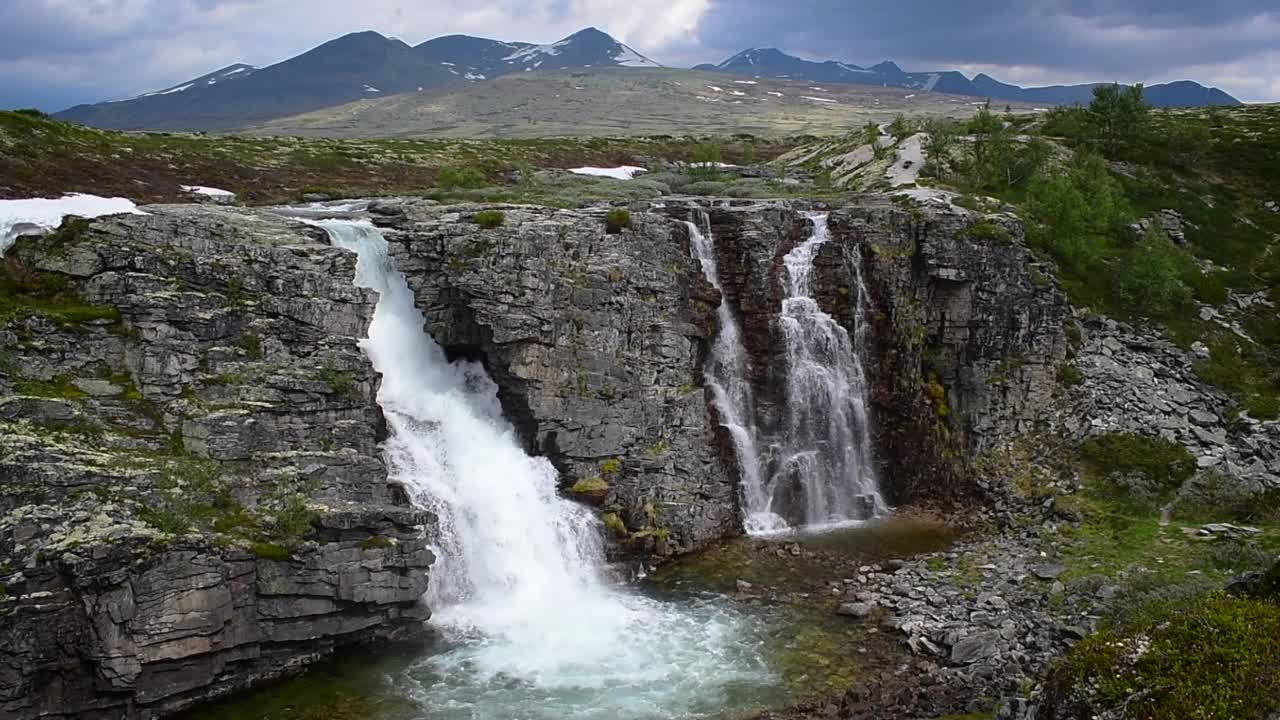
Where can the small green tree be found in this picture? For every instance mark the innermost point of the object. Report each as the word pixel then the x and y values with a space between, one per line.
pixel 939 144
pixel 1077 211
pixel 870 135
pixel 983 127
pixel 705 159
pixel 900 127
pixel 748 153
pixel 1150 278
pixel 1119 116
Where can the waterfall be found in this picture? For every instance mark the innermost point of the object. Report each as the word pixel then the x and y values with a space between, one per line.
pixel 823 470
pixel 530 627
pixel 726 375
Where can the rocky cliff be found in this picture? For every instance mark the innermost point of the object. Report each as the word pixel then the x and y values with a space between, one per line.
pixel 191 498
pixel 597 342
pixel 967 330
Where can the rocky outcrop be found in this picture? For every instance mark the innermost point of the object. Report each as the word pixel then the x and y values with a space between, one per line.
pixel 596 342
pixel 967 329
pixel 969 334
pixel 191 498
pixel 1136 381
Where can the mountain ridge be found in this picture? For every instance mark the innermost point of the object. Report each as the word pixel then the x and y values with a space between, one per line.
pixel 368 64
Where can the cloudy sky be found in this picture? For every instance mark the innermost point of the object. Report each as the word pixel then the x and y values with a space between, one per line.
pixel 56 53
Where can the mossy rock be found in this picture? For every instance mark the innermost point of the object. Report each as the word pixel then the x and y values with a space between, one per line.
pixel 594 489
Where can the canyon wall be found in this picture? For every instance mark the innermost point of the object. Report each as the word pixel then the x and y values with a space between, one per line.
pixel 191 497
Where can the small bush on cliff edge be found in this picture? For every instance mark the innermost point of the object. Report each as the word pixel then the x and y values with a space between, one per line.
pixel 617 220
pixel 490 219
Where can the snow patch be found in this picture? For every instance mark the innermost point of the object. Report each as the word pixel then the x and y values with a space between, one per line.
pixel 933 82
pixel 717 89
pixel 210 191
pixel 739 93
pixel 746 82
pixel 475 76
pixel 180 88
pixel 39 215
pixel 775 94
pixel 627 57
pixel 908 97
pixel 370 88
pixel 622 172
pixel 819 99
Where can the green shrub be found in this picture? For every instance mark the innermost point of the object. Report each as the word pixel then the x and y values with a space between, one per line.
pixel 251 344
pixel 32 112
pixel 1167 465
pixel 490 219
pixel 616 220
pixel 1069 375
pixel 987 230
pixel 453 178
pixel 1215 658
pixel 377 542
pixel 271 551
pixel 339 381
pixel 1151 275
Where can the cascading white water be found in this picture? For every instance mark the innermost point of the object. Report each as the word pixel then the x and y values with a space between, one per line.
pixel 826 445
pixel 531 630
pixel 726 375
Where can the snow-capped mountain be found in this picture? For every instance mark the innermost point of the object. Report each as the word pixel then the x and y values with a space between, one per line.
pixel 231 73
pixel 353 67
pixel 773 63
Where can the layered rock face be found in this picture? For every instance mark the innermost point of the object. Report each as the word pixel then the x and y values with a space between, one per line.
pixel 596 342
pixel 1136 381
pixel 191 498
pixel 967 333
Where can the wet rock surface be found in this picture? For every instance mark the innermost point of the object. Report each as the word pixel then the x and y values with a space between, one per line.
pixel 597 343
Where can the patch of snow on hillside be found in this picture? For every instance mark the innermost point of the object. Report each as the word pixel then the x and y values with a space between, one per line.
pixel 630 58
pixel 233 72
pixel 717 89
pixel 908 97
pixel 370 88
pixel 39 215
pixel 180 88
pixel 622 172
pixel 738 93
pixel 475 76
pixel 775 94
pixel 818 89
pixel 933 81
pixel 532 52
pixel 819 99
pixel 210 191
pixel 746 82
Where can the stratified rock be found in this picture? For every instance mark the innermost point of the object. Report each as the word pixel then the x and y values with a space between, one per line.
pixel 596 342
pixel 192 499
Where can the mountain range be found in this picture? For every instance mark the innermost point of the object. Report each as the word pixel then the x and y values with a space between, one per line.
pixel 366 65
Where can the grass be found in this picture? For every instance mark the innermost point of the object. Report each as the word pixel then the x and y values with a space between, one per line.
pixel 26 292
pixel 40 156
pixel 1217 658
pixel 1165 464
